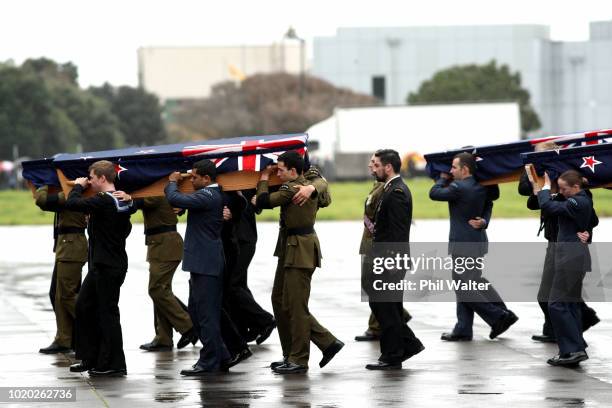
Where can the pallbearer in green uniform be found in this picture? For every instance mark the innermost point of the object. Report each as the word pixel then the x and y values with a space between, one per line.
pixel 299 254
pixel 373 331
pixel 164 254
pixel 70 249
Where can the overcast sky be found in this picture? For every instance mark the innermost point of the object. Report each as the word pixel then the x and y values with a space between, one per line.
pixel 102 37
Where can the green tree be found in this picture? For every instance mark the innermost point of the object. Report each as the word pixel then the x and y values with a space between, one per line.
pixel 29 119
pixel 138 112
pixel 478 83
pixel 43 111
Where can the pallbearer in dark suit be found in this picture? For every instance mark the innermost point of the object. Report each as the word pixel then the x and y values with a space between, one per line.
pixel 550 225
pixel 369 210
pixel 253 322
pixel 470 205
pixel 572 259
pixel 203 259
pixel 392 221
pixel 99 341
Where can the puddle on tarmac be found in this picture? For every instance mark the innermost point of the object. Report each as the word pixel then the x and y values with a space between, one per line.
pixel 567 402
pixel 170 396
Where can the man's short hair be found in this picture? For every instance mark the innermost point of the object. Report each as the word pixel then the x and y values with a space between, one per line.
pixel 104 168
pixel 205 168
pixel 389 156
pixel 467 160
pixel 292 160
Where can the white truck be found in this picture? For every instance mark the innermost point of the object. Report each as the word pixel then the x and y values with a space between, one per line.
pixel 343 143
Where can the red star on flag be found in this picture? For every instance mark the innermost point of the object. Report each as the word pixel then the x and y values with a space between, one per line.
pixel 119 168
pixel 590 162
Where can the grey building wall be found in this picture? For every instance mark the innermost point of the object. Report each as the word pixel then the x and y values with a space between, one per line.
pixel 568 82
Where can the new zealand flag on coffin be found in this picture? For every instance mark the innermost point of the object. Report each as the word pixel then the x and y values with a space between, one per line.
pixel 495 161
pixel 138 167
pixel 594 162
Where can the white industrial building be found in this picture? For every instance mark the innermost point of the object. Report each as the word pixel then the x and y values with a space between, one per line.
pixel 190 72
pixel 570 82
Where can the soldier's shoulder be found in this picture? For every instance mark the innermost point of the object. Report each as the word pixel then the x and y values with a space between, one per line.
pixel 287 186
pixel 312 172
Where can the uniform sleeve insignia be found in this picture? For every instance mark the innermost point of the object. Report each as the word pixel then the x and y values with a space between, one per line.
pixel 284 187
pixel 398 190
pixel 454 184
pixel 572 201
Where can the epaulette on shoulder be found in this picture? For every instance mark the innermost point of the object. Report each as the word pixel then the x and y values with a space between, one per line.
pixel 313 171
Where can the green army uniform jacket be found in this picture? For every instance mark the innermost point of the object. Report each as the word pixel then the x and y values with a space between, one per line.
pixel 301 249
pixel 158 214
pixel 70 245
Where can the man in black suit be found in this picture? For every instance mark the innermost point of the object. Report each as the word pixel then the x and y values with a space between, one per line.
pixel 98 338
pixel 203 259
pixel 470 205
pixel 253 322
pixel 392 221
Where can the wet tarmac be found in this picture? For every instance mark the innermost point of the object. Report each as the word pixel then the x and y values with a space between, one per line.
pixel 509 371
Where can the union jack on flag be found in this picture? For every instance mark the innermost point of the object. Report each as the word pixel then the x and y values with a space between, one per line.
pixel 577 139
pixel 247 155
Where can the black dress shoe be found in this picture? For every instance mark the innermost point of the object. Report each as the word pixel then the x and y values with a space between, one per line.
pixel 109 372
pixel 381 365
pixel 290 368
pixel 55 348
pixel 367 336
pixel 240 356
pixel 155 346
pixel 197 370
pixel 330 352
pixel 455 337
pixel 569 359
pixel 265 333
pixel 544 338
pixel 189 336
pixel 79 367
pixel 275 364
pixel 414 351
pixel 503 324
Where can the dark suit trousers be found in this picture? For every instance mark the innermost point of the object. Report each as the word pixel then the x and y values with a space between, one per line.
pixel 232 338
pixel 397 340
pixel 487 304
pixel 548 273
pixel 99 340
pixel 564 305
pixel 246 313
pixel 205 296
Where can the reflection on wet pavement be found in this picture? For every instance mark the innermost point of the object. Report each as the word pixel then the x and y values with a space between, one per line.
pixel 483 373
